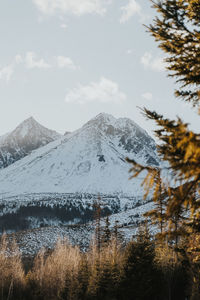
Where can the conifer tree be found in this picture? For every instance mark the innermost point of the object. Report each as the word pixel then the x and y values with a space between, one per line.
pixel 116 233
pixel 174 279
pixel 97 207
pixel 193 252
pixel 83 278
pixel 106 237
pixel 177 30
pixel 139 274
pixel 158 214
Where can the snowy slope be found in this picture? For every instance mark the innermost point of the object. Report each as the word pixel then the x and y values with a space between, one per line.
pixel 31 241
pixel 91 160
pixel 28 136
pixel 126 135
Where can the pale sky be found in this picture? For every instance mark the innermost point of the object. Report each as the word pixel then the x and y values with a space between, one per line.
pixel 65 61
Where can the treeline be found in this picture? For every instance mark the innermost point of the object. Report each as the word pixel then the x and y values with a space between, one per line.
pixel 36 216
pixel 143 269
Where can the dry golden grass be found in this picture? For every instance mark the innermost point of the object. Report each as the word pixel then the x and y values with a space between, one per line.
pixel 66 273
pixel 51 274
pixel 12 274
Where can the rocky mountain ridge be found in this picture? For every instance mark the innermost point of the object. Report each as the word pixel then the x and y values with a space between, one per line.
pixel 89 160
pixel 26 137
pixel 58 184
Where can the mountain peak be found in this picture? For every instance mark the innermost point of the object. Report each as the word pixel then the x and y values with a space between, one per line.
pixel 28 125
pixel 104 117
pixel 85 162
pixel 110 124
pixel 30 120
pixel 101 120
pixel 26 137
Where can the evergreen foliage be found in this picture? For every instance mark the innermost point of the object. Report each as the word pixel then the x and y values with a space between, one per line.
pixel 97 216
pixel 142 270
pixel 106 237
pixel 176 29
pixel 140 280
pixel 176 187
pixel 173 272
pixel 145 269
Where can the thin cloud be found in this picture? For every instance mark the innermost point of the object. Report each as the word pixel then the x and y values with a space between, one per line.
pixel 130 51
pixel 147 96
pixel 66 62
pixel 129 10
pixel 63 26
pixel 32 62
pixel 74 7
pixel 153 63
pixel 18 59
pixel 6 72
pixel 104 91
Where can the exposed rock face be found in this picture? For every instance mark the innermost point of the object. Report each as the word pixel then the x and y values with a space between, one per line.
pixel 90 160
pixel 28 136
pixel 128 136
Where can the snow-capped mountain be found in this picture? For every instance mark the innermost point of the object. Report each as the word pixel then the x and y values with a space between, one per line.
pixel 28 136
pixel 126 135
pixel 89 160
